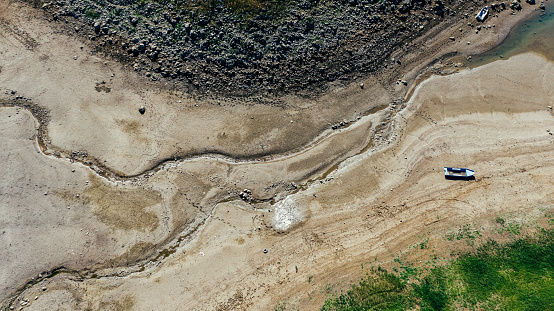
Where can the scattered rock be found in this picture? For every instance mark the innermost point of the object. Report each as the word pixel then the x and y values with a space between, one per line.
pixel 246 195
pixel 265 250
pixel 515 5
pixel 204 53
pixel 142 110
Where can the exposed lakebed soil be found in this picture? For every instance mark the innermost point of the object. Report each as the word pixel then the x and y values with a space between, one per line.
pixel 350 175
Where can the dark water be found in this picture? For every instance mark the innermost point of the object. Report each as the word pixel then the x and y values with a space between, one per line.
pixel 535 34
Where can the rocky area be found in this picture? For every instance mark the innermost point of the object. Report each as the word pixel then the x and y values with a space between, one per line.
pixel 293 46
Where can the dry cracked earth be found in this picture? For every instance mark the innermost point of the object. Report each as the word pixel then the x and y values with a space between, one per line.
pixel 230 205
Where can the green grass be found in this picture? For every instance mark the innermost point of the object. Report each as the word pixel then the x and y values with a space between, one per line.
pixel 92 14
pixel 518 275
pixel 379 291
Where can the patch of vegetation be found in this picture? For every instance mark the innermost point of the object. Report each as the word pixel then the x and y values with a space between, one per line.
pixel 380 290
pixel 424 244
pixel 518 275
pixel 252 5
pixel 282 306
pixel 244 8
pixel 92 14
pixel 465 232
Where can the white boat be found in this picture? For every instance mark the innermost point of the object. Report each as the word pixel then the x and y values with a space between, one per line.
pixel 482 14
pixel 458 173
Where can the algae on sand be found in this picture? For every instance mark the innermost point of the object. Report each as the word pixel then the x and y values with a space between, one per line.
pixel 121 208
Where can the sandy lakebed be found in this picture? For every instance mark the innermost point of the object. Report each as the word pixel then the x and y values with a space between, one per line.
pixel 200 205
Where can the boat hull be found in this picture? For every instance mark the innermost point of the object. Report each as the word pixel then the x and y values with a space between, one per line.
pixel 458 173
pixel 482 14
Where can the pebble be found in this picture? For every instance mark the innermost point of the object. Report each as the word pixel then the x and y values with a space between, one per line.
pixel 142 110
pixel 265 250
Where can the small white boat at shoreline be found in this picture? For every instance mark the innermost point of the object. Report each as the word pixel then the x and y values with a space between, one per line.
pixel 482 14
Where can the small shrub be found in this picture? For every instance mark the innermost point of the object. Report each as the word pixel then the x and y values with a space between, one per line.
pixel 92 14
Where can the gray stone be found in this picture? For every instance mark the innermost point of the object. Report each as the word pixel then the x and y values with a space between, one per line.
pixel 515 5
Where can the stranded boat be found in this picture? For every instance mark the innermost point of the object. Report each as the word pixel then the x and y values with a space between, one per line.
pixel 482 14
pixel 458 173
